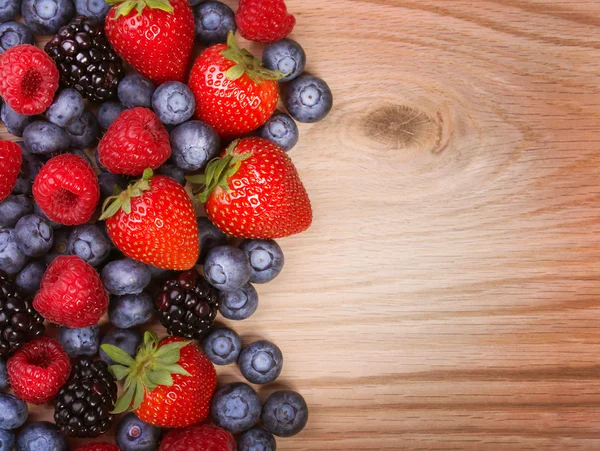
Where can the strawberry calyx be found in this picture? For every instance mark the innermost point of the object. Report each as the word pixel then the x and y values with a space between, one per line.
pixel 122 199
pixel 246 63
pixel 126 6
pixel 151 367
pixel 218 172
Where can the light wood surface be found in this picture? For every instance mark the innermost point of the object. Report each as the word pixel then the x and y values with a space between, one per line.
pixel 447 295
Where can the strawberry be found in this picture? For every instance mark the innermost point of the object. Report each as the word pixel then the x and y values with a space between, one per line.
pixel 136 140
pixel 38 370
pixel 205 437
pixel 264 20
pixel 103 446
pixel 154 36
pixel 71 293
pixel 169 383
pixel 10 161
pixel 234 93
pixel 254 191
pixel 153 221
pixel 28 79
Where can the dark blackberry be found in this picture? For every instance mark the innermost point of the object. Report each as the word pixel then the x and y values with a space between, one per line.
pixel 85 59
pixel 187 305
pixel 19 321
pixel 83 405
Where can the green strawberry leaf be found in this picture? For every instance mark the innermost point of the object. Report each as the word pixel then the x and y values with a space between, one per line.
pixel 163 5
pixel 150 337
pixel 139 395
pixel 175 369
pixel 118 355
pixel 197 179
pixel 170 348
pixel 149 385
pixel 160 377
pixel 119 371
pixel 235 72
pixel 124 401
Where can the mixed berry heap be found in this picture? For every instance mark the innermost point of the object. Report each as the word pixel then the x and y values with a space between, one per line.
pixel 96 219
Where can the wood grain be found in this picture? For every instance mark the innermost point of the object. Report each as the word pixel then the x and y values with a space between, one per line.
pixel 447 296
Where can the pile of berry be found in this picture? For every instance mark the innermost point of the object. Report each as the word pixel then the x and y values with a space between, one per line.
pixel 95 219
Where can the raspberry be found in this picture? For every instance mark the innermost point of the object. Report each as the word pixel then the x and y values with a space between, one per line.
pixel 66 189
pixel 71 293
pixel 99 447
pixel 198 438
pixel 38 370
pixel 28 79
pixel 10 162
pixel 264 20
pixel 136 140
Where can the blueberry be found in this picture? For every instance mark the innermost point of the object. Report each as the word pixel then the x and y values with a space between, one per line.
pixel 286 55
pixel 193 145
pixel 226 268
pixel 130 310
pixel 95 10
pixel 159 273
pixel 173 102
pixel 42 137
pixel 41 436
pixel 15 123
pixel 29 169
pixel 109 111
pixel 107 182
pixel 209 236
pixel 125 276
pixel 280 129
pixel 30 277
pixel 13 411
pixel 235 407
pixel 13 34
pixel 33 235
pixel 136 90
pixel 261 362
pixel 47 16
pixel 214 20
pixel 84 132
pixel 67 108
pixel 13 208
pixel 265 257
pixel 126 339
pixel 133 434
pixel 9 10
pixel 38 211
pixel 256 439
pixel 60 246
pixel 12 260
pixel 89 242
pixel 3 375
pixel 284 413
pixel 77 342
pixel 170 170
pixel 7 440
pixel 308 99
pixel 222 346
pixel 239 304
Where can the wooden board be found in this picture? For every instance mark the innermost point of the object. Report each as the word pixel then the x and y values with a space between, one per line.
pixel 447 295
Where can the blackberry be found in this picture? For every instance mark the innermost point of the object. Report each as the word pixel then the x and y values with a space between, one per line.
pixel 83 405
pixel 19 321
pixel 187 305
pixel 85 59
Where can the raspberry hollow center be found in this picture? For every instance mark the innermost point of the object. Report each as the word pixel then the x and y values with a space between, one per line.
pixel 64 198
pixel 42 360
pixel 31 82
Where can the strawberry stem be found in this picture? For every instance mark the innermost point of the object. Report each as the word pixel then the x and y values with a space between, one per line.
pixel 246 63
pixel 122 200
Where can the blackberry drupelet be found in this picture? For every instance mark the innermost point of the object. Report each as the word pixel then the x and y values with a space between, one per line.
pixel 85 59
pixel 19 321
pixel 187 305
pixel 82 407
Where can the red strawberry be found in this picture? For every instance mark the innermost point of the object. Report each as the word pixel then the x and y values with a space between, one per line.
pixel 198 438
pixel 28 79
pixel 10 164
pixel 136 140
pixel 234 93
pixel 38 370
pixel 169 383
pixel 66 189
pixel 153 221
pixel 264 20
pixel 156 37
pixel 99 447
pixel 71 293
pixel 254 191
